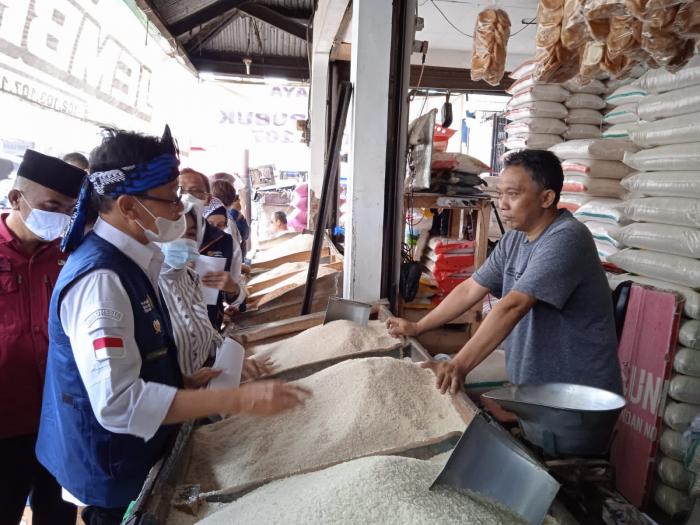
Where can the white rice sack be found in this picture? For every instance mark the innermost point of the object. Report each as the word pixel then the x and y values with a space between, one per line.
pixel 670 104
pixel 673 502
pixel 616 83
pixel 573 201
pixel 526 126
pixel 584 101
pixel 676 240
pixel 630 94
pixel 604 232
pixel 532 141
pixel 594 87
pixel 582 131
pixel 689 334
pixel 678 416
pixel 551 92
pixel 602 210
pixel 675 269
pixel 687 362
pixel 605 250
pixel 521 85
pixel 593 186
pixel 660 80
pixel 602 149
pixel 620 131
pixel 523 70
pixel 673 473
pixel 671 444
pixel 673 130
pixel 685 389
pixel 604 169
pixel 585 116
pixel 540 109
pixel 674 157
pixel 626 114
pixel 664 183
pixel 692 298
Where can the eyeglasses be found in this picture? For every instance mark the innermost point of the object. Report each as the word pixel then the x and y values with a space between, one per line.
pixel 174 202
pixel 197 194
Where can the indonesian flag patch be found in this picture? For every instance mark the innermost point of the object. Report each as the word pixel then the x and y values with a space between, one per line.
pixel 108 348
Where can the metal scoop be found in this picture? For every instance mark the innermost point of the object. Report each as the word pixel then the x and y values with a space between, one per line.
pixel 343 309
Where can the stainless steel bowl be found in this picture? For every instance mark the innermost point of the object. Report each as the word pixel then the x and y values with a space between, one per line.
pixel 563 419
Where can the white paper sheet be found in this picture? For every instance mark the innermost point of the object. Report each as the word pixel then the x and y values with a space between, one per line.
pixel 203 266
pixel 229 358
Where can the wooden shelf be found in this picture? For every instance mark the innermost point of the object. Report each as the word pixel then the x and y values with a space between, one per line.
pixel 430 200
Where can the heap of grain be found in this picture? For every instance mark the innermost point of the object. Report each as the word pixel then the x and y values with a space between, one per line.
pixel 379 489
pixel 337 339
pixel 359 407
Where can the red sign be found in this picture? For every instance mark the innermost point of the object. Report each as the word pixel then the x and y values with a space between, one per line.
pixel 646 351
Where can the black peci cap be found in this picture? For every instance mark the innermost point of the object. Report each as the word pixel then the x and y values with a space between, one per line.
pixel 51 173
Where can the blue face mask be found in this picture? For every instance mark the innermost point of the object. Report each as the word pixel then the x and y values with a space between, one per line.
pixel 179 252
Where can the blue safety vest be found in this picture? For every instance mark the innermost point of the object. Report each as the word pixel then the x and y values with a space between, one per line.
pixel 100 467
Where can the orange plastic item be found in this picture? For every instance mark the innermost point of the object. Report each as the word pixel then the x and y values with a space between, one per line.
pixel 491 35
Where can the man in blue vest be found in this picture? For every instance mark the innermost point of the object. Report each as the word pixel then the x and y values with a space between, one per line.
pixel 114 394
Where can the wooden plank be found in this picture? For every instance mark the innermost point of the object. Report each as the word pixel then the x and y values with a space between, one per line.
pixel 259 333
pixel 292 257
pixel 482 232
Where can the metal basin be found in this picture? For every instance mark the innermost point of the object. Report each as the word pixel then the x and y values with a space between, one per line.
pixel 563 419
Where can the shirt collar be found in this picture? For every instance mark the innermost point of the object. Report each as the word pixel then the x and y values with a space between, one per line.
pixel 147 256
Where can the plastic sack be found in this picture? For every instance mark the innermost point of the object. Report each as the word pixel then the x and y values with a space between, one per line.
pixel 549 22
pixel 626 114
pixel 674 130
pixel 671 445
pixel 692 298
pixel 584 101
pixel 605 250
pixel 600 9
pixel 670 104
pixel 532 141
pixel 643 8
pixel 674 269
pixel 605 169
pixel 582 131
pixel 603 232
pixel 592 186
pixel 592 86
pixel 687 21
pixel 592 56
pixel 673 502
pixel 536 125
pixel 604 210
pixel 665 47
pixel 664 238
pixel 491 35
pixel 672 157
pixel 679 415
pixel 602 149
pixel 660 81
pixel 539 109
pixel 618 65
pixel 521 85
pixel 689 334
pixel 673 473
pixel 620 131
pixel 523 70
pixel 574 30
pixel 551 92
pixel 572 201
pixel 624 36
pixel 664 210
pixel 687 361
pixel 584 116
pixel 629 94
pixel 557 64
pixel 685 389
pixel 664 183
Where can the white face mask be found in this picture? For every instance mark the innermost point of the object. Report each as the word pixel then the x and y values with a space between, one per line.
pixel 167 230
pixel 46 225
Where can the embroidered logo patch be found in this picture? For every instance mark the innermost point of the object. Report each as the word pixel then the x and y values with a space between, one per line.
pixel 156 326
pixel 108 348
pixel 147 305
pixel 104 313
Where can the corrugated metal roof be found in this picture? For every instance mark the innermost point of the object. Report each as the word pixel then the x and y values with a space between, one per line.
pixel 174 10
pixel 234 39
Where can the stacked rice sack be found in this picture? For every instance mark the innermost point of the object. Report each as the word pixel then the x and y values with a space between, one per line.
pixel 662 240
pixel 593 169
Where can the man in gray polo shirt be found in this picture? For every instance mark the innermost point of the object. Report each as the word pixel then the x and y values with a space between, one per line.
pixel 555 312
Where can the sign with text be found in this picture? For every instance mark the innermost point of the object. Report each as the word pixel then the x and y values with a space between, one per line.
pixel 646 351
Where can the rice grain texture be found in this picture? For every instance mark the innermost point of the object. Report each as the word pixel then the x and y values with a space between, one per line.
pixel 360 407
pixel 336 339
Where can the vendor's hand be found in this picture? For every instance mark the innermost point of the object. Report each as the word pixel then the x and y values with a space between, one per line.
pixel 266 398
pixel 398 327
pixel 254 368
pixel 221 281
pixel 450 375
pixel 200 378
pixel 245 269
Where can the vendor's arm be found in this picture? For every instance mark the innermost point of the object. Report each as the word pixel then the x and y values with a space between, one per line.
pixel 495 328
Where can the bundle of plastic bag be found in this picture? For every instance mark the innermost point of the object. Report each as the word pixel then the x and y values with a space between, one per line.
pixel 674 130
pixel 664 183
pixel 554 61
pixel 574 30
pixel 687 21
pixel 663 210
pixel 674 269
pixel 673 157
pixel 491 35
pixel 664 238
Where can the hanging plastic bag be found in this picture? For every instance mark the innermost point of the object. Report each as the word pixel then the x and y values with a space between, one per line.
pixel 687 21
pixel 574 30
pixel 491 35
pixel 624 36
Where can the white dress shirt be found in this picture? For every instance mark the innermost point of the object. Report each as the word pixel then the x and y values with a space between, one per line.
pixel 96 306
